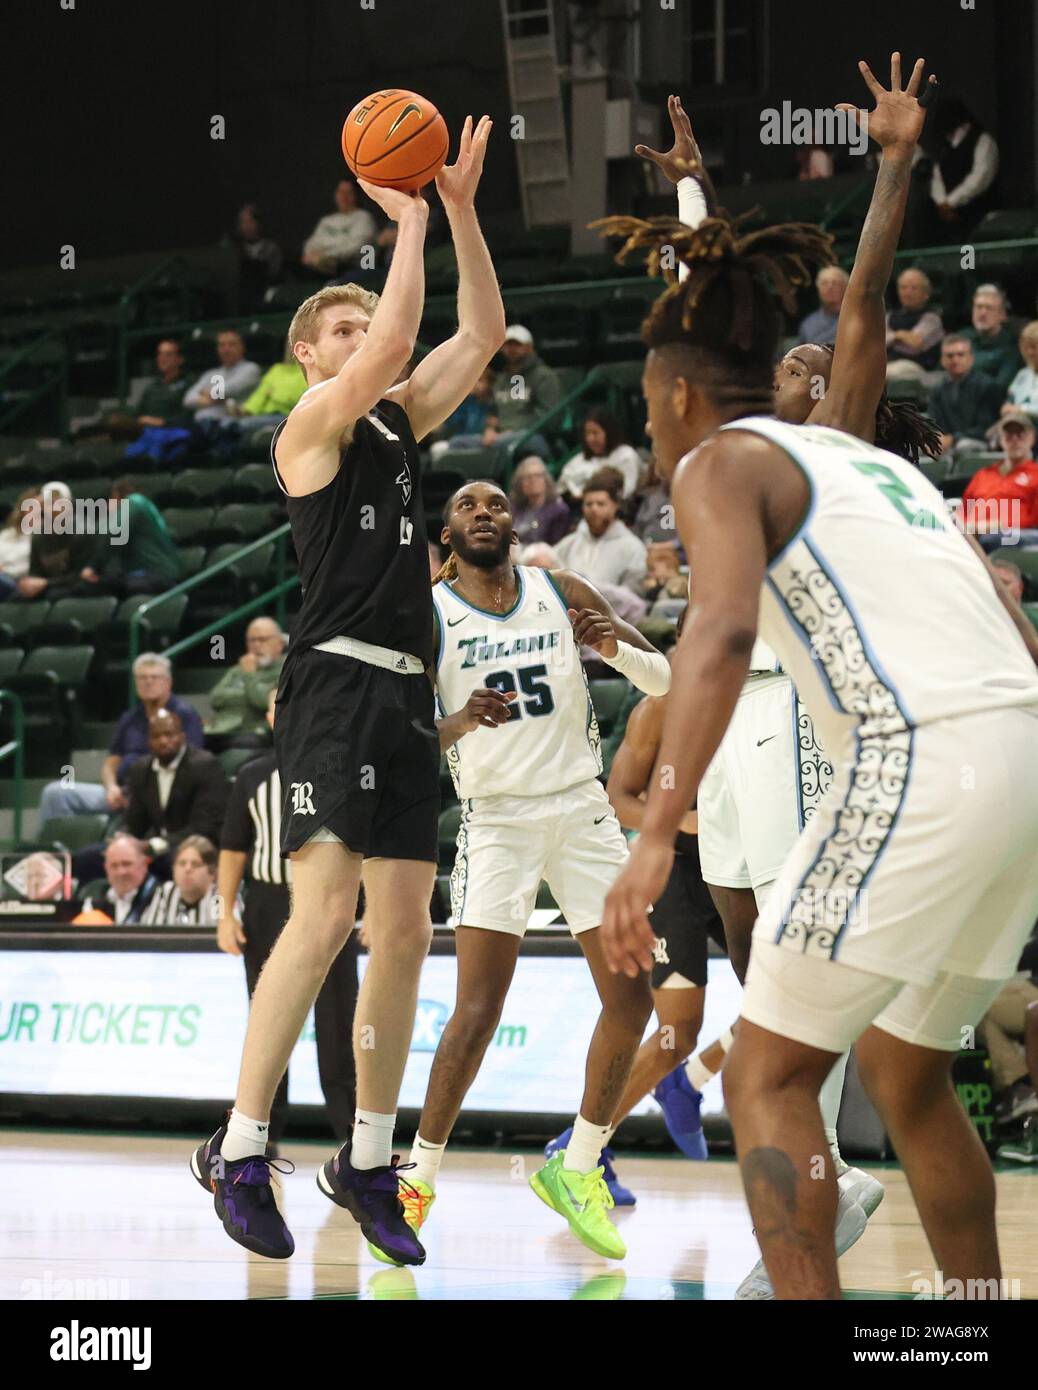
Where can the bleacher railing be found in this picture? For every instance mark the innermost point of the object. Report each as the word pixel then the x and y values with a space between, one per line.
pixel 52 377
pixel 15 748
pixel 276 595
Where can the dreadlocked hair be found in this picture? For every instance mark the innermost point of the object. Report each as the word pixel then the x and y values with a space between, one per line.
pixel 905 431
pixel 448 570
pixel 900 428
pixel 723 312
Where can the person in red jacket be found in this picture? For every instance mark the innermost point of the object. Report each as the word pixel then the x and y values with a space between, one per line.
pixel 1013 480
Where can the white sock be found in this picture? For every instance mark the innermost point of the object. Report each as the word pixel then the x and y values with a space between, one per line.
pixel 829 1098
pixel 587 1143
pixel 427 1159
pixel 244 1138
pixel 698 1072
pixel 372 1145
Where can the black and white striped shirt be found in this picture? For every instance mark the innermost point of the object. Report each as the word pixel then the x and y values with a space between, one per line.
pixel 168 909
pixel 252 824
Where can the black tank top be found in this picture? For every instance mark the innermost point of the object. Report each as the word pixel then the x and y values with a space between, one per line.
pixel 361 544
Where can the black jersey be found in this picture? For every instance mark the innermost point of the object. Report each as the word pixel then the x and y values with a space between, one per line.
pixel 361 543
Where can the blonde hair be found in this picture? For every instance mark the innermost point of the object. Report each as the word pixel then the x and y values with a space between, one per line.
pixel 305 321
pixel 1029 330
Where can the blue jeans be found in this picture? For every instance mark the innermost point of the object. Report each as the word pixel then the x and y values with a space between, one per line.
pixel 80 800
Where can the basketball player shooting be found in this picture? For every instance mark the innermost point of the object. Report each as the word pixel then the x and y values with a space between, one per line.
pixel 355 736
pixel 809 534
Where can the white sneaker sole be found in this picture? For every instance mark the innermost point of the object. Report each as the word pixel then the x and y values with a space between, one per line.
pixel 851 1221
pixel 867 1191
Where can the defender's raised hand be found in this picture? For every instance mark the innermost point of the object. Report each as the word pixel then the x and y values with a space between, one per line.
pixel 897 121
pixel 683 159
pixel 458 182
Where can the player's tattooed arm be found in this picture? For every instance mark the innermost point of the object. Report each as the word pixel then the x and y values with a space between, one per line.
pixel 859 367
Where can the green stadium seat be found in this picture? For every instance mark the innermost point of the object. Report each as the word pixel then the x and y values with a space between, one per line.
pixel 1031 609
pixel 21 617
pixel 620 327
pixel 187 524
pixel 157 486
pixel 71 665
pixel 163 622
pixel 73 832
pixel 197 680
pixel 608 696
pixel 10 661
pixel 253 566
pixel 252 482
pixel 93 486
pixel 68 633
pixel 192 560
pixel 88 612
pixel 240 521
pixel 231 759
pixel 1007 224
pixel 197 486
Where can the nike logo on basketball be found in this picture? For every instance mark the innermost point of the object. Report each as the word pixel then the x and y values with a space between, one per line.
pixel 410 108
pixel 453 622
pixel 765 740
pixel 302 803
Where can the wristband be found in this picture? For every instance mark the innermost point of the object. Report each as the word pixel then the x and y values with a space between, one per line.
pixel 691 209
pixel 648 671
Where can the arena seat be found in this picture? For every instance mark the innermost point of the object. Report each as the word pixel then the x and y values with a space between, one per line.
pixel 608 696
pixel 19 618
pixel 231 759
pixel 251 482
pixel 10 660
pixel 196 486
pixel 187 523
pixel 73 832
pixel 238 521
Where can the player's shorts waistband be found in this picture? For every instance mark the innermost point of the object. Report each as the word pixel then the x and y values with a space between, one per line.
pixel 403 663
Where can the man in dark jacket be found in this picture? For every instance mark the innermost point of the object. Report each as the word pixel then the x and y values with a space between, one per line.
pixel 178 791
pixel 966 403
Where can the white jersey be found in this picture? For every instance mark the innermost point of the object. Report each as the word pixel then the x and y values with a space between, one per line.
pixel 551 741
pixel 877 607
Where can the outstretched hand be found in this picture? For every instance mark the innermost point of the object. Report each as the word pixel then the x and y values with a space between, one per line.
pixel 683 159
pixel 457 182
pixel 897 121
pixel 394 203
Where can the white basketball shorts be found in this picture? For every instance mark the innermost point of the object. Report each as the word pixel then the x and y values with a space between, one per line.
pixel 508 845
pixel 908 896
pixel 764 781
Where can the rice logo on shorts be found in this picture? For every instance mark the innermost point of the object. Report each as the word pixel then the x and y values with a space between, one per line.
pixel 659 951
pixel 302 799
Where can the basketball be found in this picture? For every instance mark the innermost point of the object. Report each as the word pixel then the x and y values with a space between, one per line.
pixel 395 139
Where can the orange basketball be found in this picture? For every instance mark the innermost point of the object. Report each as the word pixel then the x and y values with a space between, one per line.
pixel 395 139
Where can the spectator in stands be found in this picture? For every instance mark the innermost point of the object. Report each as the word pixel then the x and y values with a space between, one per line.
pixel 965 402
pixel 964 166
pixel 153 678
pixel 1023 389
pixel 336 242
pixel 159 406
pixel 914 330
pixel 470 418
pixel 604 447
pixel 15 545
pixel 239 699
pixel 1004 496
pixel 820 326
pixel 654 518
pixel 276 395
pixel 147 560
pixel 523 394
pixel 131 884
pixel 189 898
pixel 1012 576
pixel 664 578
pixel 602 548
pixel 814 162
pixel 1003 1030
pixel 234 379
pixel 992 338
pixel 178 791
pixel 259 257
pixel 60 559
pixel 538 512
pixel 624 602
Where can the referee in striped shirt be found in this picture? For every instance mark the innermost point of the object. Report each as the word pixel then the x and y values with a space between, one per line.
pixel 250 848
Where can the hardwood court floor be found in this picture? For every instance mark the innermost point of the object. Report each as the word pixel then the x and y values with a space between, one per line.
pixel 86 1216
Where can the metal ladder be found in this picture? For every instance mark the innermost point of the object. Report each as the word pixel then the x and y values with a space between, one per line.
pixel 536 95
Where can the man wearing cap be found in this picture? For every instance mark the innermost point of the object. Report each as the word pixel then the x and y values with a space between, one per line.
pixel 59 558
pixel 992 492
pixel 523 394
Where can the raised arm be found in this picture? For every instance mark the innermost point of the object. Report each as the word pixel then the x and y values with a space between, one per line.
pixel 719 507
pixel 597 625
pixel 859 368
pixel 307 451
pixel 443 379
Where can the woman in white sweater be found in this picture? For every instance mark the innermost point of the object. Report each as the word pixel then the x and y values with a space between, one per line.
pixel 15 543
pixel 604 446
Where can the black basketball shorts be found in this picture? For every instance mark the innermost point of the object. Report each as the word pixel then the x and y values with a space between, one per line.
pixel 683 917
pixel 359 756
